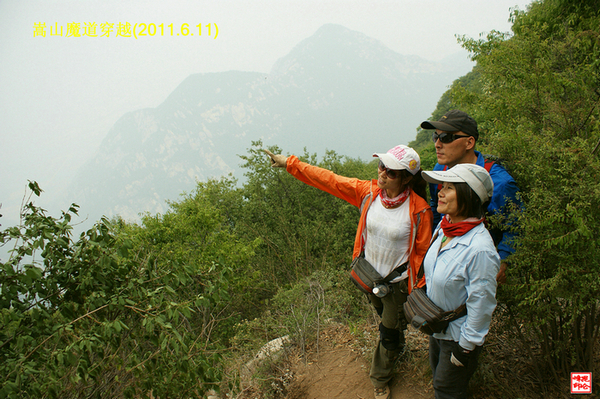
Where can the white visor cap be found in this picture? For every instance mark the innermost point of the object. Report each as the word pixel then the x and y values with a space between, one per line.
pixel 475 176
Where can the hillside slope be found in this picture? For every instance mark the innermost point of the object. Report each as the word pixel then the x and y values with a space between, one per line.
pixel 337 89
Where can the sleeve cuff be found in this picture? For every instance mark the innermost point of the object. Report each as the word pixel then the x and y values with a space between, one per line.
pixel 466 344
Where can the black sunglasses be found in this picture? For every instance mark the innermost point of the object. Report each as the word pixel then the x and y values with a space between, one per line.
pixel 446 137
pixel 391 173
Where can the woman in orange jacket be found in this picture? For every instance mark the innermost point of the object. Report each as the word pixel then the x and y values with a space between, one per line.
pixel 393 232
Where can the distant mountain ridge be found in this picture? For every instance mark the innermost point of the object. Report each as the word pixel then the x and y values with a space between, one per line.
pixel 337 89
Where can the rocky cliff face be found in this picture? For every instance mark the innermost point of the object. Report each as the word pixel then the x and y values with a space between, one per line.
pixel 338 90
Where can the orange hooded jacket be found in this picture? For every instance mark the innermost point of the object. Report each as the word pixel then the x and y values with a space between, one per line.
pixel 361 193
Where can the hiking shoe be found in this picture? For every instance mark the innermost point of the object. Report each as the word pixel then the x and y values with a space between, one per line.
pixel 382 393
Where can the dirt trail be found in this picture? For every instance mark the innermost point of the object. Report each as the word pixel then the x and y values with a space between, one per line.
pixel 340 369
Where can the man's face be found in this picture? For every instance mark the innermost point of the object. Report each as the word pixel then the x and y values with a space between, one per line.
pixel 454 152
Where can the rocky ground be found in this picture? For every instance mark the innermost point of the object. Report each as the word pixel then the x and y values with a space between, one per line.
pixel 340 369
pixel 337 366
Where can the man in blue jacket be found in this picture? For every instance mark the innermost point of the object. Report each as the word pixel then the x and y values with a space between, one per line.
pixel 455 137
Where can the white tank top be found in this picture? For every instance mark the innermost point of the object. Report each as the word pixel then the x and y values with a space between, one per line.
pixel 387 242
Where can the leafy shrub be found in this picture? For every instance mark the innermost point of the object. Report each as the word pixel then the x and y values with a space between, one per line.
pixel 538 109
pixel 100 317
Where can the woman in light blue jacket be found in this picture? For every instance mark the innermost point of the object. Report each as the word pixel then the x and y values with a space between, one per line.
pixel 460 267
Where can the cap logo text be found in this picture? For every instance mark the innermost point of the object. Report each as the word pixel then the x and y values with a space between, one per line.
pixel 398 152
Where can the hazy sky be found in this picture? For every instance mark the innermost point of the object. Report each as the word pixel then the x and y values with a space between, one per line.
pixel 60 95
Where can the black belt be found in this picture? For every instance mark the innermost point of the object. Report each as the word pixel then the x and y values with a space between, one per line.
pixel 397 272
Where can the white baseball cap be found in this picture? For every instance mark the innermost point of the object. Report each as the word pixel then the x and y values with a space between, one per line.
pixel 401 157
pixel 475 176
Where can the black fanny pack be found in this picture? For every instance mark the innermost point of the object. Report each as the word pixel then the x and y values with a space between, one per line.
pixel 365 277
pixel 423 314
pixel 426 316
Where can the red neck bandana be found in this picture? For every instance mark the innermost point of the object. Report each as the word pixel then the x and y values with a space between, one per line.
pixel 460 228
pixel 393 202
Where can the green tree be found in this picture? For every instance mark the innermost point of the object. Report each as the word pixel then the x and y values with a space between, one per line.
pixel 303 229
pixel 101 316
pixel 198 233
pixel 539 107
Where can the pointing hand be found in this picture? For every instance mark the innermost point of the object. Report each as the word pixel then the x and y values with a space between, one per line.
pixel 277 160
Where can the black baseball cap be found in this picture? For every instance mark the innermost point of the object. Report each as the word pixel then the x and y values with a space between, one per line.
pixel 454 121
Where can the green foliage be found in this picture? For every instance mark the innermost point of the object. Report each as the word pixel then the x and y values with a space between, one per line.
pixel 298 313
pixel 302 229
pixel 301 310
pixel 195 233
pixel 539 107
pixel 132 310
pixel 100 317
